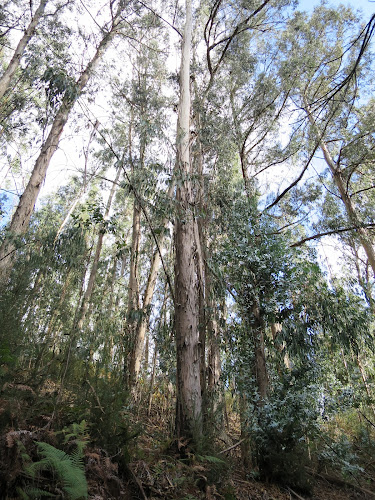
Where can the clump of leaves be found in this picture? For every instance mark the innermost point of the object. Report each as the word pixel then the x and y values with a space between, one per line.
pixel 338 453
pixel 76 435
pixel 67 471
pixel 281 432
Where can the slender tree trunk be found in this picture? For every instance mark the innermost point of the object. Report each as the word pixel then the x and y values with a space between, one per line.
pixel 81 196
pixel 339 180
pixel 364 282
pixel 21 218
pixel 189 397
pixel 16 59
pixel 357 360
pixel 95 263
pixel 152 382
pixel 214 358
pixel 142 325
pixel 261 375
pixel 201 257
pixel 133 292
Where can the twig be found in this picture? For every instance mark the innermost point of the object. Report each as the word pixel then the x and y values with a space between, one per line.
pixel 295 494
pixel 96 396
pixel 364 416
pixel 233 446
pixel 139 484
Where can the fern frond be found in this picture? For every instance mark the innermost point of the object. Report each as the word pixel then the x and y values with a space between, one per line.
pixel 38 493
pixel 68 469
pixel 211 459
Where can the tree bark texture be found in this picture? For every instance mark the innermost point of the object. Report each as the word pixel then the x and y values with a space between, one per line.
pixel 189 397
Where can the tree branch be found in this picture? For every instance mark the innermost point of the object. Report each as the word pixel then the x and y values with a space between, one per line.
pixel 294 183
pixel 328 233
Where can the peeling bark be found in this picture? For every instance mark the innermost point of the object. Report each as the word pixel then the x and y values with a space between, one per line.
pixel 189 397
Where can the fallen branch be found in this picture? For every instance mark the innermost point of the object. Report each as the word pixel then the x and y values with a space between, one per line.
pixel 96 396
pixel 231 447
pixel 294 493
pixel 138 483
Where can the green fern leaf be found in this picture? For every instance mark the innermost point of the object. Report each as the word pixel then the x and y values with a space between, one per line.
pixel 68 469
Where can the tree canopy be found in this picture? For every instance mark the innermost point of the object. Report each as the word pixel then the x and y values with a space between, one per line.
pixel 187 239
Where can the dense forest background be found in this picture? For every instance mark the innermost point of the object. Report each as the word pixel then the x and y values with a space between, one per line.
pixel 187 311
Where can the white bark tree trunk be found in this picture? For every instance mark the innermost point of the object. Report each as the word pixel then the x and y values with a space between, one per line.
pixel 16 59
pixel 339 180
pixel 21 218
pixel 189 397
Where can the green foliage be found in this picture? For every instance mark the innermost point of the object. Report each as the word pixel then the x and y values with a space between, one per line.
pixel 339 455
pixel 67 469
pixel 109 424
pixel 211 459
pixel 59 85
pixel 76 435
pixel 282 426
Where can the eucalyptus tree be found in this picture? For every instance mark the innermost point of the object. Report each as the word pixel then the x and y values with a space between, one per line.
pixel 64 90
pixel 14 63
pixel 189 397
pixel 223 31
pixel 142 98
pixel 320 52
pixel 25 112
pixel 269 283
pixel 38 302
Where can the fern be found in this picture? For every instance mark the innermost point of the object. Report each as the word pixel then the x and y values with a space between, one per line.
pixel 76 434
pixel 30 493
pixel 69 469
pixel 211 459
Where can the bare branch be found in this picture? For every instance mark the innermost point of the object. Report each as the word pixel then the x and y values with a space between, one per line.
pixel 329 233
pixel 294 183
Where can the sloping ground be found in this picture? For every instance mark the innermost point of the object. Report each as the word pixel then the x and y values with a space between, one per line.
pixel 158 467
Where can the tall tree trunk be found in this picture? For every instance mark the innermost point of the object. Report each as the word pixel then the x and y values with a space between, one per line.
pixel 364 282
pixel 82 193
pixel 339 180
pixel 16 59
pixel 201 257
pixel 261 374
pixel 21 218
pixel 214 359
pixel 189 397
pixel 141 327
pixel 133 292
pixel 95 263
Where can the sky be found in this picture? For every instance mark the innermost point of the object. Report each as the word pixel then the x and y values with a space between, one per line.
pixel 69 160
pixel 366 6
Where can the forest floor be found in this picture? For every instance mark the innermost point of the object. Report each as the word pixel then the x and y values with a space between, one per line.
pixel 159 472
pixel 158 467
